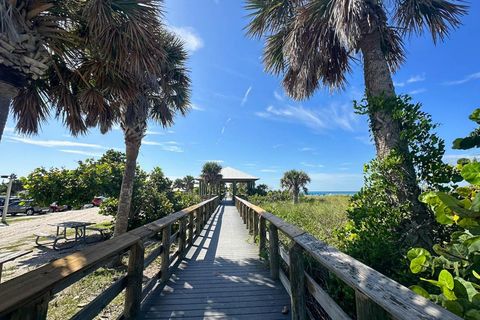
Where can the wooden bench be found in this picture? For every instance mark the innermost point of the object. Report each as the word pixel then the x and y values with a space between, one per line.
pixel 10 256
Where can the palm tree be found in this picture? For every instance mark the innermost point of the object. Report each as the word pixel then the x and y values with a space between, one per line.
pixel 179 184
pixel 295 181
pixel 313 42
pixel 211 174
pixel 161 98
pixel 189 183
pixel 33 42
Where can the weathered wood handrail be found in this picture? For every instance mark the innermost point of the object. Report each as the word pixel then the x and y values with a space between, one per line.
pixel 27 296
pixel 377 296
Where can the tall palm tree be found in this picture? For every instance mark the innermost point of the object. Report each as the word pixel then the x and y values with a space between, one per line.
pixel 295 181
pixel 161 98
pixel 312 43
pixel 211 174
pixel 189 182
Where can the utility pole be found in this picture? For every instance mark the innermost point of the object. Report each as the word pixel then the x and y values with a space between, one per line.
pixel 7 198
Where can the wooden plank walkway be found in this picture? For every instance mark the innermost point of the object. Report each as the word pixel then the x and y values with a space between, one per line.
pixel 221 277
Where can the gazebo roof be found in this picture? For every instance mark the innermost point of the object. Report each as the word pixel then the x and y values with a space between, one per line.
pixel 231 174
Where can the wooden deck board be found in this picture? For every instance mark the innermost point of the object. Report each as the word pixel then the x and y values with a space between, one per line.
pixel 221 277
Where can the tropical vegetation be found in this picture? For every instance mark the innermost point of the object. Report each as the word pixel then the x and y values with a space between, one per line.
pixel 211 174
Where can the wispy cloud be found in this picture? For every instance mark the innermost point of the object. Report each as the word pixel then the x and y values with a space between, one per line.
pixel 453 158
pixel 312 165
pixel 364 139
pixel 306 149
pixel 412 79
pixel 54 143
pixel 196 107
pixel 417 91
pixel 225 126
pixel 217 161
pixel 473 76
pixel 334 116
pixel 278 96
pixel 85 153
pixel 154 133
pixel 245 96
pixel 268 170
pixel 277 146
pixel 190 38
pixel 171 146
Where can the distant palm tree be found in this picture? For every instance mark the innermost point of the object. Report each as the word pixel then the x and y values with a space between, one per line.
pixel 179 184
pixel 162 97
pixel 295 181
pixel 313 42
pixel 189 183
pixel 211 174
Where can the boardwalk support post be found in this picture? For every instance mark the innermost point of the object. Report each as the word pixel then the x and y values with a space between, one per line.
pixel 190 228
pixel 274 251
pixel 198 218
pixel 263 236
pixel 367 309
pixel 182 240
pixel 255 225
pixel 166 252
pixel 297 282
pixel 133 291
pixel 37 310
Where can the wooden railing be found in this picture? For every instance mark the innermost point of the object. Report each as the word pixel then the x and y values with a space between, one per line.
pixel 376 296
pixel 28 296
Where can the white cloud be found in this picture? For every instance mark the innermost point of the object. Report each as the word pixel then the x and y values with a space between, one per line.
pixel 334 116
pixel 306 149
pixel 312 165
pixel 268 170
pixel 418 91
pixel 417 78
pixel 54 143
pixel 245 96
pixel 154 133
pixel 171 146
pixel 86 153
pixel 190 38
pixel 473 76
pixel 278 96
pixel 196 107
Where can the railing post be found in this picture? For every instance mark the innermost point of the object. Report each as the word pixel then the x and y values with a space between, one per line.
pixel 247 217
pixel 166 233
pixel 251 218
pixel 133 291
pixel 273 251
pixel 198 214
pixel 182 240
pixel 297 282
pixel 263 235
pixel 255 224
pixel 37 310
pixel 367 309
pixel 190 228
pixel 243 207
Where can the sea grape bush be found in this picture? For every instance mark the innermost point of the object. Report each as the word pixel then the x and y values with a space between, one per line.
pixel 451 273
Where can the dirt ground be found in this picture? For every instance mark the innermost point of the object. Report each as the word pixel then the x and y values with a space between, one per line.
pixel 18 235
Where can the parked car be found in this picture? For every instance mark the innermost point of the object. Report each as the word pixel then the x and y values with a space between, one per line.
pixel 17 206
pixel 55 207
pixel 97 201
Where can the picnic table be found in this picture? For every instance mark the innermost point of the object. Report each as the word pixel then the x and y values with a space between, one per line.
pixel 80 233
pixel 10 256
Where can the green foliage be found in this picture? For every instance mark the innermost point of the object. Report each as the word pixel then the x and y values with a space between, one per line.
pixel 473 139
pixel 379 231
pixel 294 181
pixel 211 173
pixel 451 274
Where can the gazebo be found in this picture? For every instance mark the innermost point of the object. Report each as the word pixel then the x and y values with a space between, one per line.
pixel 233 176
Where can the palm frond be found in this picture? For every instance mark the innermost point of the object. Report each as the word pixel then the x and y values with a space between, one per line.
pixel 439 16
pixel 269 16
pixel 29 110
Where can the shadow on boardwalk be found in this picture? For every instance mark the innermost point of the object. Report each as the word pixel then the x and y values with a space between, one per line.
pixel 221 277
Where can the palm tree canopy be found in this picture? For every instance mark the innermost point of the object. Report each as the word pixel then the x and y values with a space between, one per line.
pixel 189 182
pixel 88 77
pixel 294 180
pixel 211 172
pixel 311 42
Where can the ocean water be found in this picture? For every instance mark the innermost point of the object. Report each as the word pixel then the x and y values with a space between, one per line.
pixel 326 193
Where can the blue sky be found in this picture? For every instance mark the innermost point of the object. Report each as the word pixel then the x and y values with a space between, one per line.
pixel 242 118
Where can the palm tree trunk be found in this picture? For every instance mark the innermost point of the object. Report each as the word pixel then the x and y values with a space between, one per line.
pixel 7 93
pixel 295 196
pixel 133 140
pixel 387 133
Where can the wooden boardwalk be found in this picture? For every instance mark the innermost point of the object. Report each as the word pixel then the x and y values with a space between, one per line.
pixel 221 277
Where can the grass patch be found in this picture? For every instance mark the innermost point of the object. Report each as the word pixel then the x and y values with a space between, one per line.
pixel 318 215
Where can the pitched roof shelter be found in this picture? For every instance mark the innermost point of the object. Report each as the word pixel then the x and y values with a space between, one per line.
pixel 231 175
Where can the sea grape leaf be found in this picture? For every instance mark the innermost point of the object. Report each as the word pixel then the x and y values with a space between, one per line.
pixel 471 173
pixel 420 291
pixel 445 279
pixel 417 264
